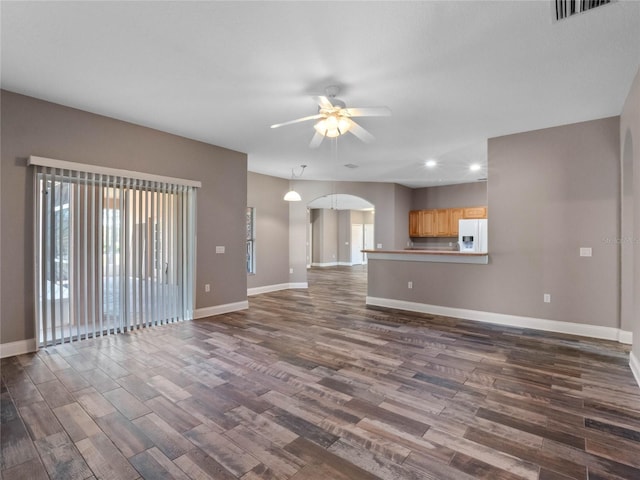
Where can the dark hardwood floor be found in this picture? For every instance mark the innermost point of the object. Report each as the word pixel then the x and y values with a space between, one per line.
pixel 313 385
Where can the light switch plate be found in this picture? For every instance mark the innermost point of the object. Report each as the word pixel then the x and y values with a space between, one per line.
pixel 220 249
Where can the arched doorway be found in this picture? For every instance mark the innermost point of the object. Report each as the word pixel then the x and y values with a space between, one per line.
pixel 340 226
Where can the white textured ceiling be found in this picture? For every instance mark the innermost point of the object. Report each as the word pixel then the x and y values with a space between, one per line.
pixel 453 73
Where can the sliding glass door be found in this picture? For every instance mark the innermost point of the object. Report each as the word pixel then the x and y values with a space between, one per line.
pixel 112 254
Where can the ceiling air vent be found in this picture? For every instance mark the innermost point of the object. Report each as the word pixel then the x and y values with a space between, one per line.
pixel 566 8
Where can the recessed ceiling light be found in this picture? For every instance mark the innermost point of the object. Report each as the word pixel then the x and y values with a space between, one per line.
pixel 431 163
pixel 475 167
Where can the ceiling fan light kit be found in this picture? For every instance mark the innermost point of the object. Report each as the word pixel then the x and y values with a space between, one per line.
pixel 333 126
pixel 334 118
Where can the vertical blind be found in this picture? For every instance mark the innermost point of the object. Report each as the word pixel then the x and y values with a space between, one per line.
pixel 114 250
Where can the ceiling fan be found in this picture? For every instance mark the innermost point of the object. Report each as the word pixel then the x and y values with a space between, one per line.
pixel 335 119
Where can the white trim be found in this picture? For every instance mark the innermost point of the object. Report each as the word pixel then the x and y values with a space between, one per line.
pixel 594 331
pixel 82 167
pixel 220 309
pixel 267 289
pixel 417 256
pixel 275 288
pixel 635 367
pixel 347 264
pixel 327 264
pixel 18 348
pixel 625 337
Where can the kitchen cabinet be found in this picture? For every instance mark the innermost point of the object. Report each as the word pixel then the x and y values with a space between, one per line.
pixel 455 214
pixel 421 223
pixel 414 223
pixel 442 222
pixel 427 223
pixel 475 212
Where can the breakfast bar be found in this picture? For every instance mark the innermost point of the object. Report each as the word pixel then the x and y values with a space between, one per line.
pixel 425 255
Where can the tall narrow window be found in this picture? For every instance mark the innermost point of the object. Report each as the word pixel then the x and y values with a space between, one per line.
pixel 251 240
pixel 114 250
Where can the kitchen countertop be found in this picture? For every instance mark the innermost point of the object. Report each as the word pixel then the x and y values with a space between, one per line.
pixel 435 256
pixel 420 251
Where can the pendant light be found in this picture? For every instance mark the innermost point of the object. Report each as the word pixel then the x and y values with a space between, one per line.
pixel 292 195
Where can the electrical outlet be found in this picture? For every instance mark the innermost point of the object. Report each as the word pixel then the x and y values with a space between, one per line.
pixel 291 270
pixel 547 298
pixel 585 251
pixel 220 249
pixel 379 245
pixel 410 284
pixel 207 287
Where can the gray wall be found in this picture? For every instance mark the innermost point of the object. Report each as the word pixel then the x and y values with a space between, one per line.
pixel 450 196
pixel 325 235
pixel 34 127
pixel 550 192
pixel 630 159
pixel 402 205
pixel 265 193
pixel 316 231
pixel 345 219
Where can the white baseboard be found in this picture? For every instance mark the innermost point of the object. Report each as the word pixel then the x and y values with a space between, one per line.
pixel 625 337
pixel 17 348
pixel 327 264
pixel 346 264
pixel 275 288
pixel 267 289
pixel 634 363
pixel 594 331
pixel 220 309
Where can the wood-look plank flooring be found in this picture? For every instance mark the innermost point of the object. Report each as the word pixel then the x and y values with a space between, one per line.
pixel 312 384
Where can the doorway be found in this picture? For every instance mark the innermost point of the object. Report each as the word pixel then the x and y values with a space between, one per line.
pixel 340 227
pixel 357 244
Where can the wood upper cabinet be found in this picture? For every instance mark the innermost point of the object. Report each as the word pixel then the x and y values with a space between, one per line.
pixel 427 223
pixel 475 212
pixel 421 223
pixel 455 214
pixel 442 222
pixel 414 223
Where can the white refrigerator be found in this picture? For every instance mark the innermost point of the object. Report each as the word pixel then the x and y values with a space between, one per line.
pixel 472 236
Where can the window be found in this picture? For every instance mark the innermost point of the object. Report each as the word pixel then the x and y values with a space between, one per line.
pixel 251 240
pixel 113 253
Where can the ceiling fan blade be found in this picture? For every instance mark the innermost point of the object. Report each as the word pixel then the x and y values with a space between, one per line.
pixel 298 120
pixel 360 132
pixel 316 140
pixel 368 112
pixel 323 102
